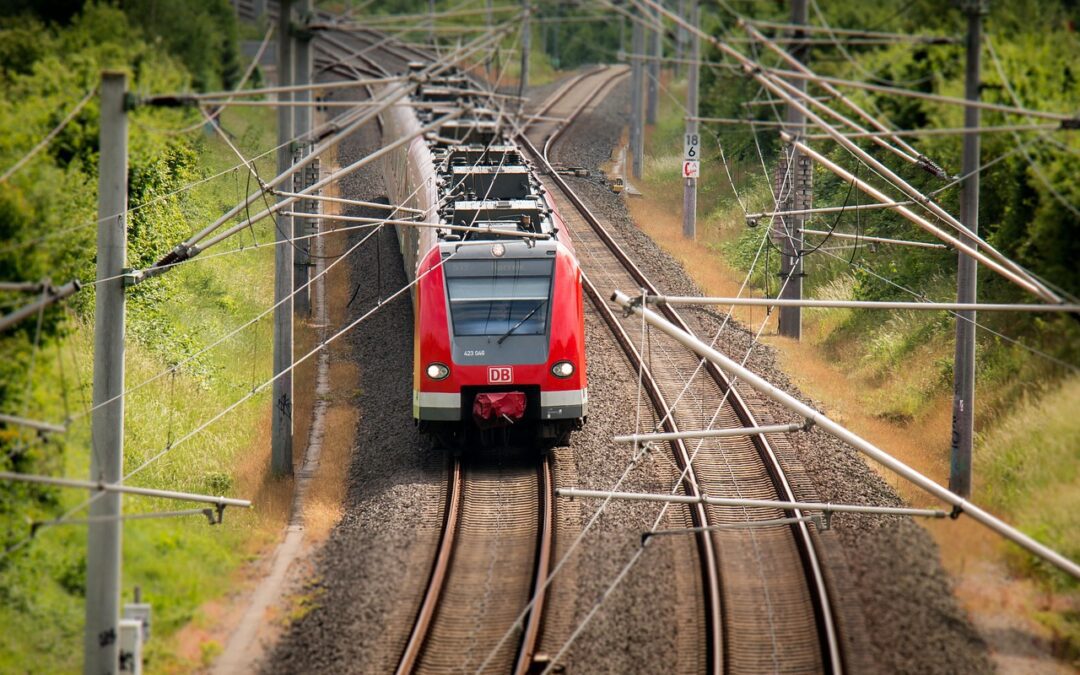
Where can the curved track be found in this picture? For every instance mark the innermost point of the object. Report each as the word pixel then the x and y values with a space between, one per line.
pixel 767 605
pixel 494 553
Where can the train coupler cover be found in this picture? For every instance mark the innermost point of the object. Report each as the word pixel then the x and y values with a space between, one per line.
pixel 498 409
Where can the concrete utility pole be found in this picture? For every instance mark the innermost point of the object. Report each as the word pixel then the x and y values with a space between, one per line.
pixel 431 21
pixel 302 124
pixel 681 35
pixel 104 536
pixel 526 47
pixel 963 420
pixel 489 21
pixel 794 191
pixel 282 430
pixel 690 184
pixel 655 51
pixel 637 100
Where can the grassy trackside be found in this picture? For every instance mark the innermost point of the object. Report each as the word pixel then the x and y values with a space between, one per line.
pixel 179 563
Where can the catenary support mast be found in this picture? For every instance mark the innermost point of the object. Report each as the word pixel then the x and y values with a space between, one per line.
pixel 104 536
pixel 302 123
pixel 794 191
pixel 963 418
pixel 690 184
pixel 637 99
pixel 281 439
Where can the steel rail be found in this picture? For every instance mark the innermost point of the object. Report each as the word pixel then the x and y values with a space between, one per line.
pixel 604 84
pixel 530 638
pixel 818 587
pixel 439 570
pixel 707 554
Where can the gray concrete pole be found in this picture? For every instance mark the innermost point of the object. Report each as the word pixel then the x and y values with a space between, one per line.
pixel 690 187
pixel 637 100
pixel 656 52
pixel 963 420
pixel 795 190
pixel 431 21
pixel 526 47
pixel 281 432
pixel 489 21
pixel 302 127
pixel 104 537
pixel 681 35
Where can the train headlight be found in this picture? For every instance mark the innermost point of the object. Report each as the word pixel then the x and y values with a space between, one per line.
pixel 562 369
pixel 498 250
pixel 437 371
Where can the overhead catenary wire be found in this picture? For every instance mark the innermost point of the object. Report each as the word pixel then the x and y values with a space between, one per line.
pixel 44 142
pixel 809 28
pixel 768 390
pixel 1031 162
pixel 1011 340
pixel 637 455
pixel 266 312
pixel 925 96
pixel 1016 272
pixel 1023 281
pixel 186 248
pixel 636 557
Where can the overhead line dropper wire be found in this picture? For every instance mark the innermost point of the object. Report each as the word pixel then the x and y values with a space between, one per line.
pixel 630 466
pixel 258 388
pixel 172 445
pixel 297 362
pixel 389 98
pixel 268 310
pixel 44 142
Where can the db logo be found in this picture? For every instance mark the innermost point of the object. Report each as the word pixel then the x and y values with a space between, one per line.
pixel 500 375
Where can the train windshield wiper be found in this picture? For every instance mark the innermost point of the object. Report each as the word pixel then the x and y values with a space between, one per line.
pixel 519 323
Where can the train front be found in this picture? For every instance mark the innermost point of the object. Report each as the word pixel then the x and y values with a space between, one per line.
pixel 499 344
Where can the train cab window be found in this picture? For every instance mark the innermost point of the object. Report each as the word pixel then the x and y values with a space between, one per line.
pixel 492 297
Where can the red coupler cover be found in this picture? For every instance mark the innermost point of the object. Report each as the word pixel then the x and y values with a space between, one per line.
pixel 498 408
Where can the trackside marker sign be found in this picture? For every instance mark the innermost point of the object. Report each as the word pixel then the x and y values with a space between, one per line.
pixel 501 375
pixel 691 166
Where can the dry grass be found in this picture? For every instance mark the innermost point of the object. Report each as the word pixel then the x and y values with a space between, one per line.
pixel 326 493
pixel 323 505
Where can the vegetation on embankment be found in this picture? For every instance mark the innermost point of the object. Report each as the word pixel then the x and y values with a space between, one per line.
pixel 1028 444
pixel 49 59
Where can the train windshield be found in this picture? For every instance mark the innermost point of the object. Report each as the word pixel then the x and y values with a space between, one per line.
pixel 491 297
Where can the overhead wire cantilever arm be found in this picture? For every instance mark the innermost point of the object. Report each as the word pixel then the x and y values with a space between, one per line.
pixel 1018 274
pixel 101 486
pixel 50 295
pixel 1022 280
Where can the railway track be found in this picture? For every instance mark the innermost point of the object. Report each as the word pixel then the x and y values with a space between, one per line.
pixel 494 554
pixel 495 548
pixel 767 606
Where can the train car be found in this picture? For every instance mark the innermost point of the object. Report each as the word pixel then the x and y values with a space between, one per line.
pixel 499 343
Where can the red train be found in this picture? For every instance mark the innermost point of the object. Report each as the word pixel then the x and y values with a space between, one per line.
pixel 499 337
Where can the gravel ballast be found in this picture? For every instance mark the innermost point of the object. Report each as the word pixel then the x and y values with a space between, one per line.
pixel 359 604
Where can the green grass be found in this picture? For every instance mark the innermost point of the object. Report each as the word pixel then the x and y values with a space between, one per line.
pixel 1029 467
pixel 178 563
